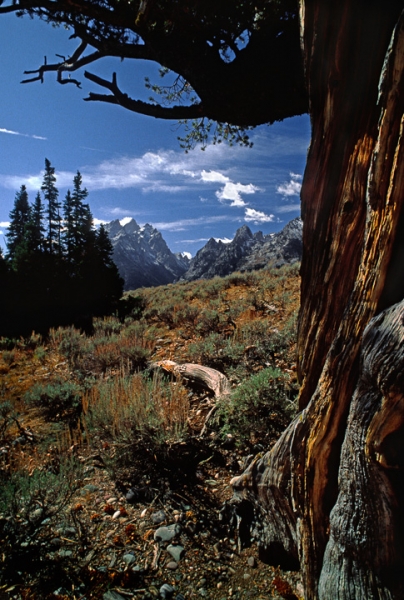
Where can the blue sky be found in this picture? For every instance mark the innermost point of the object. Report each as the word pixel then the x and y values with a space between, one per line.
pixel 132 165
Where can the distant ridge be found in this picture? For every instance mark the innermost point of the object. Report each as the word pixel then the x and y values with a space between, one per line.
pixel 142 255
pixel 246 252
pixel 144 259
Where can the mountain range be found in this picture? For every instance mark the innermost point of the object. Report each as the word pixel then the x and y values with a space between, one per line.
pixel 144 259
pixel 142 255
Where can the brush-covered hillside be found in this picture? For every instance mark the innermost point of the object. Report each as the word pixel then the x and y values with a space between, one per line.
pixel 117 448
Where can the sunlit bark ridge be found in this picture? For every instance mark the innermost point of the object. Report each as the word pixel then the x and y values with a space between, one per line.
pixel 352 206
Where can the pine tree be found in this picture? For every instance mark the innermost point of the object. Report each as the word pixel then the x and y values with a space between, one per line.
pixel 78 236
pixel 68 233
pixel 82 217
pixel 19 218
pixel 51 194
pixel 36 229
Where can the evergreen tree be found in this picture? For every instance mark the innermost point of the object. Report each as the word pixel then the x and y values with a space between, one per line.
pixel 51 194
pixel 36 227
pixel 78 236
pixel 20 216
pixel 104 284
pixel 68 233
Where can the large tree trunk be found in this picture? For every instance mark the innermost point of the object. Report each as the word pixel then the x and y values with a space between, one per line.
pixel 352 208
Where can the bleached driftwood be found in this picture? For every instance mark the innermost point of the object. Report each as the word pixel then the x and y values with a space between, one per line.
pixel 205 376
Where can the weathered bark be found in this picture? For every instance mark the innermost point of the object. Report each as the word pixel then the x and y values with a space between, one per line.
pixel 366 523
pixel 352 207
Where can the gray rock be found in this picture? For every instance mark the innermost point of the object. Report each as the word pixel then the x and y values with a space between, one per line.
pixel 36 514
pixel 172 565
pixel 129 559
pixel 176 551
pixel 111 595
pixel 251 561
pixel 89 488
pixel 165 534
pixel 166 590
pixel 158 517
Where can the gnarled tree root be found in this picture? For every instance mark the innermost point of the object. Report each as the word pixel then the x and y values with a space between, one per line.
pixel 363 555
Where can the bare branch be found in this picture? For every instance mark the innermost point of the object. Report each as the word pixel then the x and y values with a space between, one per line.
pixel 72 63
pixel 144 108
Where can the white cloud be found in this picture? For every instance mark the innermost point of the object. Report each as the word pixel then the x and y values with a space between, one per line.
pixel 11 132
pixel 257 216
pixel 223 240
pixel 125 221
pixel 214 176
pixel 191 241
pixel 165 171
pixel 118 212
pixel 98 222
pixel 289 208
pixel 232 191
pixel 291 187
pixel 4 224
pixel 184 224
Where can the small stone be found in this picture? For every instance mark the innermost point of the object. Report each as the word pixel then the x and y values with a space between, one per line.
pixel 133 495
pixel 165 534
pixel 90 488
pixel 112 595
pixel 202 592
pixel 176 551
pixel 129 559
pixel 56 542
pixel 166 590
pixel 172 565
pixel 112 500
pixel 158 517
pixel 116 514
pixel 65 553
pixel 143 513
pixel 251 561
pixel 246 576
pixel 36 514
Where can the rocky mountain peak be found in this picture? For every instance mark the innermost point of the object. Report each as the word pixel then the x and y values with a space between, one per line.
pixel 142 255
pixel 247 251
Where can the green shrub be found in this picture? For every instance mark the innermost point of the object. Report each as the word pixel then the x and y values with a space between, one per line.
pixel 9 356
pixel 60 400
pixel 69 342
pixel 260 407
pixel 6 418
pixel 40 354
pixel 32 505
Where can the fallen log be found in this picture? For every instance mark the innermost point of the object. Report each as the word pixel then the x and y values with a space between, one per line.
pixel 208 378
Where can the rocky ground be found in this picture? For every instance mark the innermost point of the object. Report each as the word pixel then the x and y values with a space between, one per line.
pixel 157 539
pixel 159 529
pixel 151 525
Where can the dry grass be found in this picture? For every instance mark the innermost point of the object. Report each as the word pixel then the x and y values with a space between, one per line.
pixel 129 406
